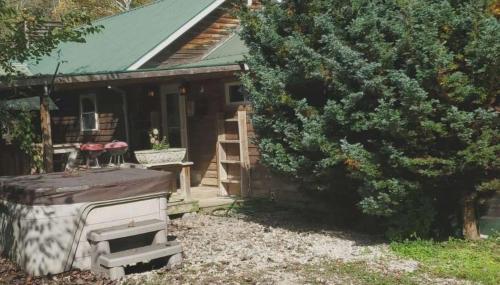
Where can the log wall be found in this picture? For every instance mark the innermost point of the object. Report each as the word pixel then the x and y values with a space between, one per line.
pixel 13 161
pixel 202 129
pixel 66 121
pixel 202 133
pixel 199 40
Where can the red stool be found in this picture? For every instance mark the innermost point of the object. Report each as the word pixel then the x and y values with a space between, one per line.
pixel 116 151
pixel 92 151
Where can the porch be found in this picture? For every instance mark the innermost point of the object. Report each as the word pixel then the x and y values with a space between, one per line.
pixel 203 198
pixel 205 116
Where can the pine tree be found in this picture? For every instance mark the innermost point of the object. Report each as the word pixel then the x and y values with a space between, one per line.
pixel 398 98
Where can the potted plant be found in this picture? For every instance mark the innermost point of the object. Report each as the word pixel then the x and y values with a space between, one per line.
pixel 160 152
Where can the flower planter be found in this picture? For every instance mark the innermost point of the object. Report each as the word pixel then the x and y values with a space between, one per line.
pixel 169 155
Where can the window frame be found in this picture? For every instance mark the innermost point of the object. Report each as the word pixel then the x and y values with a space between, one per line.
pixel 227 88
pixel 93 98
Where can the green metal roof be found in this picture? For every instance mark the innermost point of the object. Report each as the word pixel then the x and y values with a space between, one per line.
pixel 231 51
pixel 29 104
pixel 126 38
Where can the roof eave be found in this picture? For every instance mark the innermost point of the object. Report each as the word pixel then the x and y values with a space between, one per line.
pixel 121 76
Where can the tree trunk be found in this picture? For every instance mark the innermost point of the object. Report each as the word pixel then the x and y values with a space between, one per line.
pixel 470 227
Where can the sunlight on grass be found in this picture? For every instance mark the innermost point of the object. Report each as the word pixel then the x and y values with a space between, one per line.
pixel 475 261
pixel 354 273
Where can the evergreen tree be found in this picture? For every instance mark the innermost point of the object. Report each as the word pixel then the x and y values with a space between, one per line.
pixel 398 98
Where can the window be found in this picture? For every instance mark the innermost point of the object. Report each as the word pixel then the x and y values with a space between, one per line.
pixel 88 113
pixel 235 93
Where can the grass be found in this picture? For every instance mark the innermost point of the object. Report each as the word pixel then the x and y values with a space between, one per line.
pixel 477 261
pixel 355 273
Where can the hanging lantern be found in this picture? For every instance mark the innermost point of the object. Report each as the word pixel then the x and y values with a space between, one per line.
pixel 183 89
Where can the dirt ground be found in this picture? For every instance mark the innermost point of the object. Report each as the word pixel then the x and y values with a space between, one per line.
pixel 271 247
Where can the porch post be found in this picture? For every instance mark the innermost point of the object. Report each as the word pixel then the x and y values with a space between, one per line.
pixel 125 117
pixel 48 152
pixel 163 105
pixel 183 123
pixel 185 178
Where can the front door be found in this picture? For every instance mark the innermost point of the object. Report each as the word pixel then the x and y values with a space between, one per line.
pixel 173 120
pixel 144 115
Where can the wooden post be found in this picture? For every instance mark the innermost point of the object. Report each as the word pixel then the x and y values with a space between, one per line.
pixel 183 124
pixel 125 117
pixel 244 156
pixel 185 178
pixel 48 152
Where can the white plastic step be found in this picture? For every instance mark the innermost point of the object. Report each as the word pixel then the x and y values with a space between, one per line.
pixel 140 254
pixel 131 229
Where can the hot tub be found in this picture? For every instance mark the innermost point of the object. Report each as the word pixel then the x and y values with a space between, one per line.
pixel 45 219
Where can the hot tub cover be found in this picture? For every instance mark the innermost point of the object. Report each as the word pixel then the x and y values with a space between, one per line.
pixel 84 186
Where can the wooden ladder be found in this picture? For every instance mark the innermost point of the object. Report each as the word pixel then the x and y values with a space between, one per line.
pixel 233 169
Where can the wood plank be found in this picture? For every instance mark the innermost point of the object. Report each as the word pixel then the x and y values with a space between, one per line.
pixel 210 174
pixel 231 181
pixel 221 154
pixel 229 141
pixel 231 161
pixel 185 181
pixel 210 182
pixel 48 153
pixel 244 154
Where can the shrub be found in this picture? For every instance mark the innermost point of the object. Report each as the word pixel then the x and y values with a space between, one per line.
pixel 398 98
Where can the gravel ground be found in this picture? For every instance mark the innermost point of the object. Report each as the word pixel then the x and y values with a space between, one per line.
pixel 10 274
pixel 280 247
pixel 265 247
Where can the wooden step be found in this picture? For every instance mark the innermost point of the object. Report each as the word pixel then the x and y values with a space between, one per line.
pixel 230 181
pixel 140 254
pixel 132 229
pixel 229 141
pixel 232 120
pixel 230 161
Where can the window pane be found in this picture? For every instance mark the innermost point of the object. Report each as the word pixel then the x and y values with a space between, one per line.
pixel 88 121
pixel 236 93
pixel 88 105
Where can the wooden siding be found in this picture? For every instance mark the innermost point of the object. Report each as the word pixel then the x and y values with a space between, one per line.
pixel 202 128
pixel 66 121
pixel 199 40
pixel 13 161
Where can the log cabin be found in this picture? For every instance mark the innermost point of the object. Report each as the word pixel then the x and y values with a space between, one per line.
pixel 172 65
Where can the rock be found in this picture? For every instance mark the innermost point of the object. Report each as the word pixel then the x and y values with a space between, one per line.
pixel 189 216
